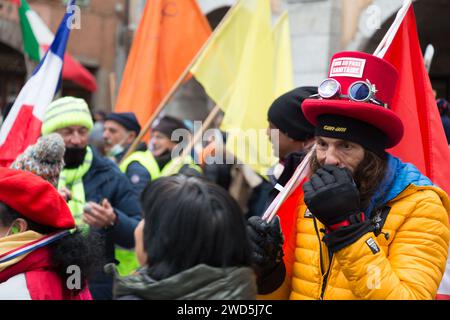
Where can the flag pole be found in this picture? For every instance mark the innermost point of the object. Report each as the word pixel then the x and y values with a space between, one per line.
pixel 380 51
pixel 175 86
pixel 428 57
pixel 300 173
pixel 112 89
pixel 198 135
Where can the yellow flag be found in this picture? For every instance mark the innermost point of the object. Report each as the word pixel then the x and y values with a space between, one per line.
pixel 284 76
pixel 218 65
pixel 237 70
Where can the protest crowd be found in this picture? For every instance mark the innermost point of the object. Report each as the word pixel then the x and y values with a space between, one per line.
pixel 132 204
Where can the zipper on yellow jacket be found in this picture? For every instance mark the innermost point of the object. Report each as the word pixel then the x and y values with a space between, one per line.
pixel 323 249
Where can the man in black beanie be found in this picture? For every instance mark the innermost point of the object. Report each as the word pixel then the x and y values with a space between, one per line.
pixel 167 134
pixel 296 134
pixel 295 137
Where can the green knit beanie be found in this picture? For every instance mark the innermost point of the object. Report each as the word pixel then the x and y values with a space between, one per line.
pixel 66 112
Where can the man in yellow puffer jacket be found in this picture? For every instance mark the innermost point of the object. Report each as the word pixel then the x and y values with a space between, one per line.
pixel 367 225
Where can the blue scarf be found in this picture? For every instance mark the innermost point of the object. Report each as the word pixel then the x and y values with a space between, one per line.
pixel 398 177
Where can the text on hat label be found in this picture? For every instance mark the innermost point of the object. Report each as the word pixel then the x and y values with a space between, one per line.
pixel 347 67
pixel 335 129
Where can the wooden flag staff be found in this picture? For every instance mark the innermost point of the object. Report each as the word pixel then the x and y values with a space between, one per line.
pixel 197 136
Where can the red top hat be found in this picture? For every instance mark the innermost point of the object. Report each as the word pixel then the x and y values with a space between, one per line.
pixel 347 68
pixel 35 199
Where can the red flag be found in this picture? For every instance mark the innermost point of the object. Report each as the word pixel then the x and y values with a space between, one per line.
pixel 77 73
pixel 424 143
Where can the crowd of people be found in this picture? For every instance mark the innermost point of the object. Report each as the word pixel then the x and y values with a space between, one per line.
pixel 149 225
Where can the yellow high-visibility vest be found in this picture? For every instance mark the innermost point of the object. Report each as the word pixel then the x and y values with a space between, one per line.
pixel 144 158
pixel 174 166
pixel 128 262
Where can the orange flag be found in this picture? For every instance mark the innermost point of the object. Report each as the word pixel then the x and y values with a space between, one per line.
pixel 169 36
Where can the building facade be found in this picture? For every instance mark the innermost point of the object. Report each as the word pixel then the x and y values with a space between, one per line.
pixel 319 28
pixel 95 45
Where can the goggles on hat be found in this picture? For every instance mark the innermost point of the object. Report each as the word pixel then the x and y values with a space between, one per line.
pixel 359 91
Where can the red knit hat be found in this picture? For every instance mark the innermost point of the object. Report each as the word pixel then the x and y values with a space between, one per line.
pixel 347 68
pixel 35 199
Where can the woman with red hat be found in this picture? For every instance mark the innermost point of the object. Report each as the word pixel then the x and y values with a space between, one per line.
pixel 367 225
pixel 42 256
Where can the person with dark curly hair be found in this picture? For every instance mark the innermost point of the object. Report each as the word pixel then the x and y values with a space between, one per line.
pixel 367 226
pixel 42 255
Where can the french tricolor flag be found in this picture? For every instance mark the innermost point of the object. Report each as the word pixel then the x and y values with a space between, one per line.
pixel 22 127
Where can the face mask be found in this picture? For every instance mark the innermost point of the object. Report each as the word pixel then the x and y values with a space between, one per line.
pixel 150 145
pixel 116 150
pixel 74 157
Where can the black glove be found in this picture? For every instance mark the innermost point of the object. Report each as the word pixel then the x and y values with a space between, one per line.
pixel 266 241
pixel 331 195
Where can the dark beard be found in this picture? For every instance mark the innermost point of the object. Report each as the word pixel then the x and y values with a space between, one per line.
pixel 74 157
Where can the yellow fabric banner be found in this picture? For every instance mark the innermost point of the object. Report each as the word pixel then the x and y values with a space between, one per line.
pixel 244 68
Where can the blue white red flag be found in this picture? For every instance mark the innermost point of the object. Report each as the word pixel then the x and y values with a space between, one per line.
pixel 22 127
